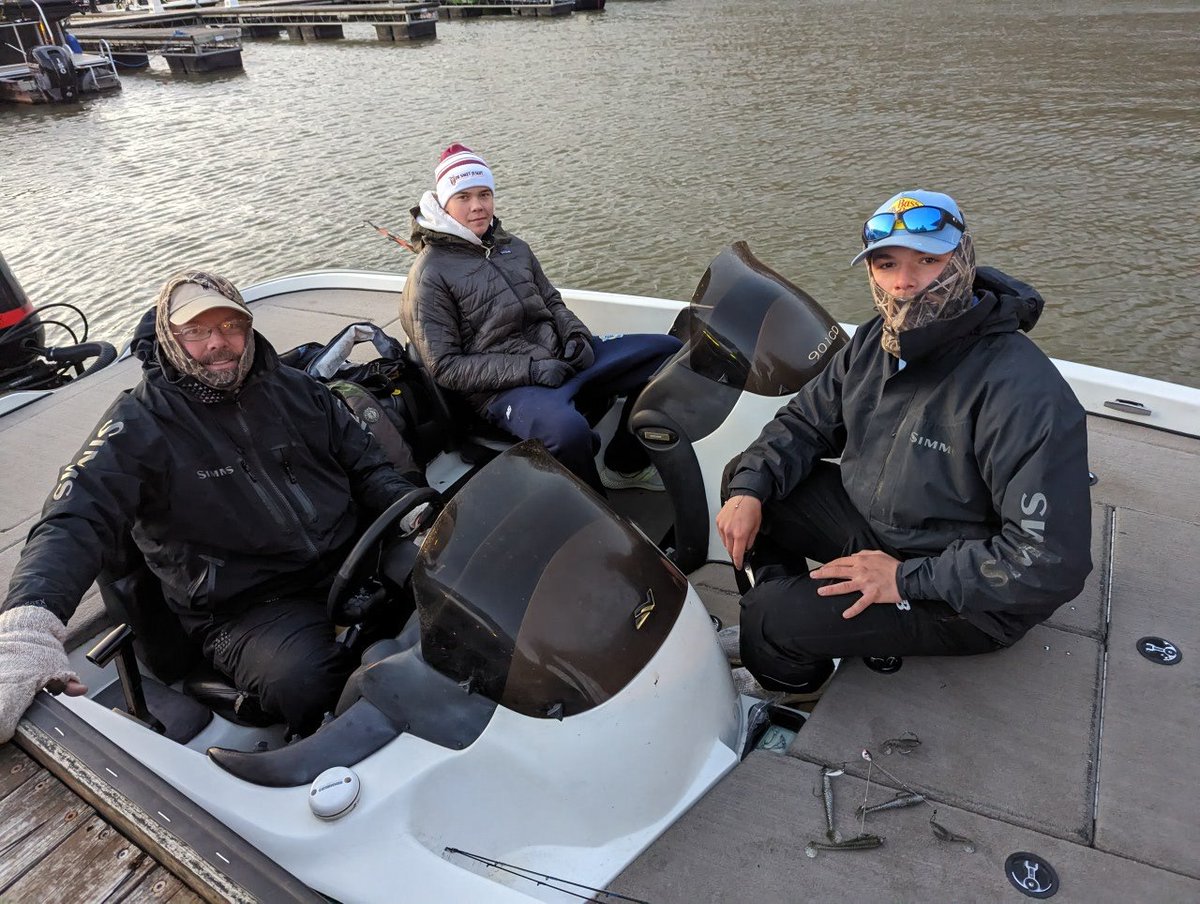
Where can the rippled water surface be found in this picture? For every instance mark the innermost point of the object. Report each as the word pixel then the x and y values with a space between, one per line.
pixel 629 145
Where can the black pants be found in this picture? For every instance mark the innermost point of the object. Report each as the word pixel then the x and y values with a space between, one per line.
pixel 790 635
pixel 283 652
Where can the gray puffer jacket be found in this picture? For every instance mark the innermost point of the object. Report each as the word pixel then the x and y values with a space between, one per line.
pixel 970 463
pixel 480 313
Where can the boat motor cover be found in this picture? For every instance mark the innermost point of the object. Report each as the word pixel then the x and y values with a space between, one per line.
pixel 531 592
pixel 20 328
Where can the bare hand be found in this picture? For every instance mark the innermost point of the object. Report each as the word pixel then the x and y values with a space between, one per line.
pixel 72 688
pixel 738 523
pixel 870 572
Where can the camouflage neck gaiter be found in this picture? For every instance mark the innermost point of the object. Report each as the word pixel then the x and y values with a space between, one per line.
pixel 206 385
pixel 943 299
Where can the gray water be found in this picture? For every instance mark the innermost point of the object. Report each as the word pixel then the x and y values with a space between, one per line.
pixel 630 145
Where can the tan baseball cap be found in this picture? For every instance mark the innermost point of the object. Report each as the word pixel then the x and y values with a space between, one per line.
pixel 189 300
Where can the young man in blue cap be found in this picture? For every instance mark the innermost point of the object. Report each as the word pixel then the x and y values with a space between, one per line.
pixel 959 515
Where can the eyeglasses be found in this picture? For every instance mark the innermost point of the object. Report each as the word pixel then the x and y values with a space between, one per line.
pixel 238 327
pixel 916 220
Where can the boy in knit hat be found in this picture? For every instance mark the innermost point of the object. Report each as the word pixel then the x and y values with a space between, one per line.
pixel 489 325
pixel 959 516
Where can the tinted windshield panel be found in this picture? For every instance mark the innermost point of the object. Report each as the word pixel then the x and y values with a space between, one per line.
pixel 531 590
pixel 750 328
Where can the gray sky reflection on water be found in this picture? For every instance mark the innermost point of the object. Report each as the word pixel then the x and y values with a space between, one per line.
pixel 630 145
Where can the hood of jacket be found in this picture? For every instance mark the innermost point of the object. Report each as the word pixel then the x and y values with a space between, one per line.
pixel 431 225
pixel 158 370
pixel 1004 305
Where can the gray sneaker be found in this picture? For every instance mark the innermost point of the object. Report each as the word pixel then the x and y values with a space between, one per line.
pixel 645 479
pixel 730 640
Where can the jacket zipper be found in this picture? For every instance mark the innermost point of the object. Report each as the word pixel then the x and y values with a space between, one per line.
pixel 301 497
pixel 270 491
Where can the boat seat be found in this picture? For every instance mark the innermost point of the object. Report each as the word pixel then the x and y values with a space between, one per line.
pixel 460 428
pixel 456 426
pixel 132 595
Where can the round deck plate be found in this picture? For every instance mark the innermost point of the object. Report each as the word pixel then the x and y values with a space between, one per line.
pixel 1159 651
pixel 1031 875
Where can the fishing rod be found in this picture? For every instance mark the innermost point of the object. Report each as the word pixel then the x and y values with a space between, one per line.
pixel 406 245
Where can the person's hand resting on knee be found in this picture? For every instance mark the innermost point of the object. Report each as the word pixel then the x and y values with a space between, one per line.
pixel 578 352
pixel 549 372
pixel 870 572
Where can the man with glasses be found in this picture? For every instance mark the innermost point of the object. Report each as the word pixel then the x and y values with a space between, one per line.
pixel 958 516
pixel 242 483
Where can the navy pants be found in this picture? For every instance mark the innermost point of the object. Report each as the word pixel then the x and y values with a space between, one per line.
pixel 790 635
pixel 283 652
pixel 623 365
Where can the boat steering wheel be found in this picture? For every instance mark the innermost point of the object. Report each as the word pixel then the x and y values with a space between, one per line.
pixel 367 562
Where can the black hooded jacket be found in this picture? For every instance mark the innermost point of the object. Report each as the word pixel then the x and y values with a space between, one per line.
pixel 970 462
pixel 231 503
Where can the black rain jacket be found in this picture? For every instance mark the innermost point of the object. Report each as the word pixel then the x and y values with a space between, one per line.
pixel 480 315
pixel 231 503
pixel 970 463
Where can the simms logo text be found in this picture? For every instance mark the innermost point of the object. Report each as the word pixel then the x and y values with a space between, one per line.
pixel 918 440
pixel 66 480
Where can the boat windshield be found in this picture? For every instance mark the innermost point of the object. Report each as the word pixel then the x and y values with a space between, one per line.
pixel 532 592
pixel 749 328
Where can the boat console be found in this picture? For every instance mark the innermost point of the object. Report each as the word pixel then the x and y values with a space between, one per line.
pixel 751 339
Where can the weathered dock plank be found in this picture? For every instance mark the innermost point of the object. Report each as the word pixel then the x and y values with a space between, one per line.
pixel 35 818
pixel 159 887
pixel 91 863
pixel 15 769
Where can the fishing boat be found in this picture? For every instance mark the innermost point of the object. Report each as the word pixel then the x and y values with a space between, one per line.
pixel 557 721
pixel 31 365
pixel 41 63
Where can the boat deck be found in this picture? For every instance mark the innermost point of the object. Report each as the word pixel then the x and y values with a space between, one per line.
pixel 1070 745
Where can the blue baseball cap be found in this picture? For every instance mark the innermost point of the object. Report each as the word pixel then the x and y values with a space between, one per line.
pixel 939 242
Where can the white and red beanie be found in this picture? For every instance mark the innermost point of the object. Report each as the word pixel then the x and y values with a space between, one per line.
pixel 458 169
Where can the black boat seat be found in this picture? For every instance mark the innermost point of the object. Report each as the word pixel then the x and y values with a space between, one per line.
pixel 458 427
pixel 132 595
pixel 216 691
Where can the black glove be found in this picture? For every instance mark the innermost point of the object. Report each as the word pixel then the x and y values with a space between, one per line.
pixel 549 372
pixel 578 352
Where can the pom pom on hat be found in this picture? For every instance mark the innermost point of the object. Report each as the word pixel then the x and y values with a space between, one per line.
pixel 458 169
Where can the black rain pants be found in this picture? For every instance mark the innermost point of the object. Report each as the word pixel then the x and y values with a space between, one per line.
pixel 790 635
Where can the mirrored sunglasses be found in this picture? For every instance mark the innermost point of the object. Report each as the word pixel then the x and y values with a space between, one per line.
pixel 916 220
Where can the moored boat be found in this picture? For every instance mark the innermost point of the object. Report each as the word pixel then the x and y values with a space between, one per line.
pixel 39 64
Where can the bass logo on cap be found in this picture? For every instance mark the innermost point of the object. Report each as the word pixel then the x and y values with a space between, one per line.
pixel 902 204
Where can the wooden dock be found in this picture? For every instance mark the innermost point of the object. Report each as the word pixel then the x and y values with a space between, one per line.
pixel 57 849
pixel 304 20
pixel 188 48
pixel 470 9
